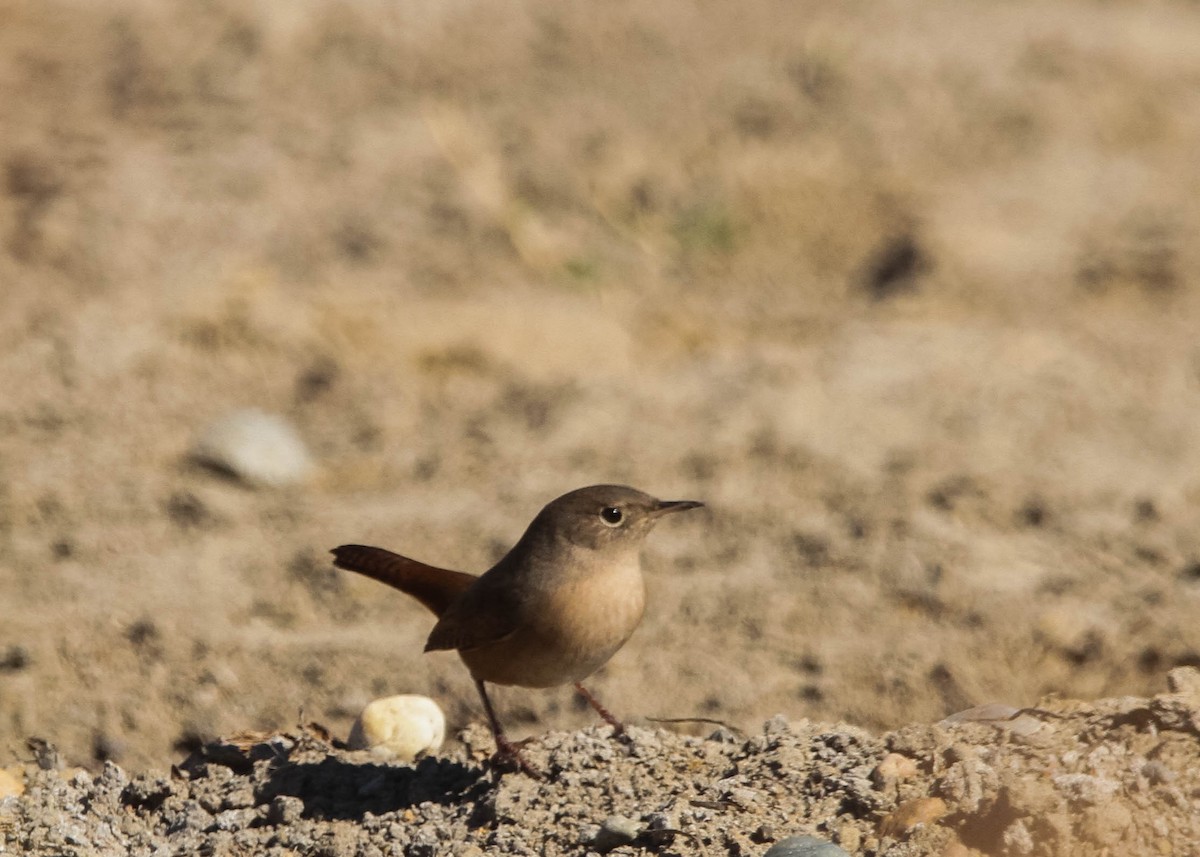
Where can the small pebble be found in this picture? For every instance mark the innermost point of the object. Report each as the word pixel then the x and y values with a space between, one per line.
pixel 401 728
pixel 112 777
pixel 894 768
pixel 763 833
pixel 235 819
pixel 146 791
pixel 1157 773
pixel 997 714
pixel 1184 680
pixel 1086 788
pixel 777 725
pixel 44 753
pixel 804 846
pixel 285 809
pixel 660 829
pixel 616 831
pixel 743 798
pixel 256 447
pixel 190 817
pixel 912 814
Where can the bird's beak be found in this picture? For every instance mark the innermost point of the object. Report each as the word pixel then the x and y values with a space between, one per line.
pixel 666 506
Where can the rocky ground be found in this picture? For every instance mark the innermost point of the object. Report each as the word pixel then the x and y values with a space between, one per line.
pixel 1112 776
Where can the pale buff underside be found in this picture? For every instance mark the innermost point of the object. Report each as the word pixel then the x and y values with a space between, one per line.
pixel 568 633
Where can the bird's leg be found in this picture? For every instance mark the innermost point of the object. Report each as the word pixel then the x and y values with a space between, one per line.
pixel 505 749
pixel 605 714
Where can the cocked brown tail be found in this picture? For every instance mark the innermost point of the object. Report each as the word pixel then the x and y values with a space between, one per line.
pixel 552 611
pixel 434 587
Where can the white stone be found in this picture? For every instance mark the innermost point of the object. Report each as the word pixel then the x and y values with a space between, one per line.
pixel 402 728
pixel 256 447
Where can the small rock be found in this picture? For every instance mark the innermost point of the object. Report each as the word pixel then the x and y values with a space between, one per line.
pixel 238 798
pixel 235 819
pixel 146 791
pixel 1017 839
pixel 1015 720
pixel 111 776
pixel 424 844
pixel 256 447
pixel 44 753
pixel 804 846
pixel 1086 788
pixel 894 768
pixel 661 821
pixel 1157 773
pixel 285 809
pixel 911 814
pixel 777 725
pixel 743 798
pixel 616 831
pixel 660 829
pixel 989 713
pixel 190 817
pixel 401 727
pixel 724 735
pixel 1185 680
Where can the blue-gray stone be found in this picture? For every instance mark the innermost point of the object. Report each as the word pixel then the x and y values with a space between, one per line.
pixel 804 846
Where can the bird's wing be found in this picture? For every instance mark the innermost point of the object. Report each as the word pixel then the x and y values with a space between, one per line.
pixel 485 614
pixel 436 588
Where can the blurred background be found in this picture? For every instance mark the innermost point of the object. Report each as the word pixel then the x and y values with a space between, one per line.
pixel 905 291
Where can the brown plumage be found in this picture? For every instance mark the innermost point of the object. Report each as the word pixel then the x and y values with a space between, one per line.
pixel 553 610
pixel 433 587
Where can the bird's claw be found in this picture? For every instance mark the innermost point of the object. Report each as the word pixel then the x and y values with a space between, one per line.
pixel 508 759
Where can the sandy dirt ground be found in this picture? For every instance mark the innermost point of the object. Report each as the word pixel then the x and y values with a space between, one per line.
pixel 907 294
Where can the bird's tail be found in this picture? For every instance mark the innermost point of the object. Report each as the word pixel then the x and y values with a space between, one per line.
pixel 434 587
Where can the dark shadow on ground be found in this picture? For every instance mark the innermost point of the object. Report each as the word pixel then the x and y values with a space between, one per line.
pixel 333 786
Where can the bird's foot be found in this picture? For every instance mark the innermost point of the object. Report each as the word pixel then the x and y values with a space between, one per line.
pixel 606 715
pixel 508 758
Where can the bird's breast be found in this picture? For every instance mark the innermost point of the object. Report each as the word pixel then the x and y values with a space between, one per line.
pixel 569 631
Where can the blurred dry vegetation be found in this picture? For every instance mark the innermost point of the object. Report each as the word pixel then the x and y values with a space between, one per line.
pixel 908 291
pixel 786 156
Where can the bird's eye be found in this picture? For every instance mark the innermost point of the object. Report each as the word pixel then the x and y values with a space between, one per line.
pixel 611 515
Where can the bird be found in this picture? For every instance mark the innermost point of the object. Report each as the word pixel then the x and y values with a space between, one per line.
pixel 552 611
